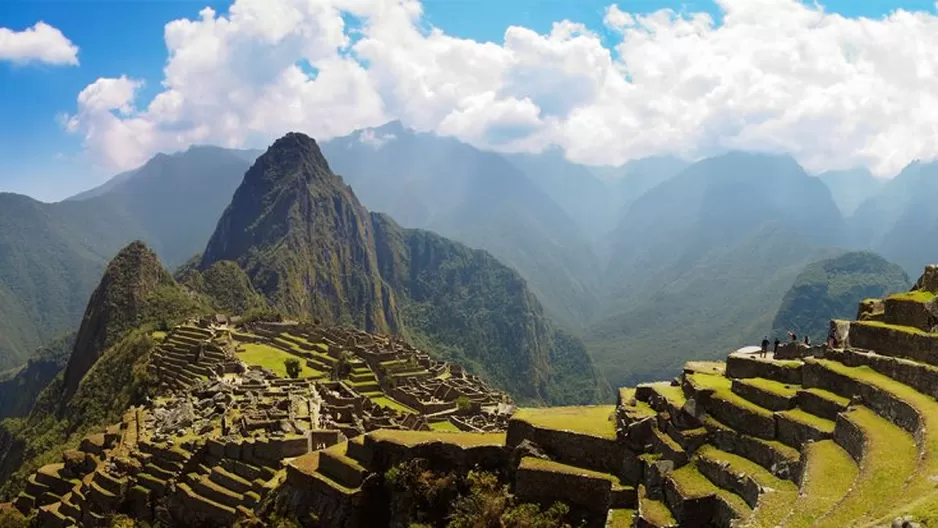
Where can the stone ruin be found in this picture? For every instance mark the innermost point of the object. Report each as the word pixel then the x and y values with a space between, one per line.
pixel 842 434
pixel 213 445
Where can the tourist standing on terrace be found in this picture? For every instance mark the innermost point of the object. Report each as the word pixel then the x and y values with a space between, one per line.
pixel 765 345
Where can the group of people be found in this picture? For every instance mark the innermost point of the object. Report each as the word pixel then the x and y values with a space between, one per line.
pixel 831 341
pixel 791 335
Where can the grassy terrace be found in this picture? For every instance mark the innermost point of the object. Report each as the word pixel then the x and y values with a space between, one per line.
pixel 829 474
pixel 771 386
pixel 593 420
pixel 915 296
pixel 654 511
pixel 673 394
pixel 799 415
pixel 691 484
pixel 636 410
pixel 390 403
pixel 898 328
pixel 272 358
pixel 920 486
pixel 621 518
pixel 828 395
pixel 445 425
pixel 891 456
pixel 414 438
pixel 775 503
pixel 722 389
pixel 556 467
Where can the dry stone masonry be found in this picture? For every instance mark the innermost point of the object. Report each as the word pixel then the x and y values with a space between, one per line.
pixel 843 434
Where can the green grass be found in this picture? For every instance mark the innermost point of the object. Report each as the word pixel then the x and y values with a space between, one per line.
pixel 159 335
pixel 891 457
pixel 828 395
pixel 593 420
pixel 774 503
pixel 821 424
pixel 771 386
pixel 829 474
pixel 691 484
pixel 621 518
pixel 384 401
pixel 722 389
pixel 556 467
pixel 413 438
pixel 897 328
pixel 654 511
pixel 673 394
pixel 915 296
pixel 272 358
pixel 445 425
pixel 920 489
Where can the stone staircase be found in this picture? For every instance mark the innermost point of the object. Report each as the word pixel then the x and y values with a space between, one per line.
pixel 185 356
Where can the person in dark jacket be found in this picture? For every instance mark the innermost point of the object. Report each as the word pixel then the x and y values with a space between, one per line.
pixel 765 345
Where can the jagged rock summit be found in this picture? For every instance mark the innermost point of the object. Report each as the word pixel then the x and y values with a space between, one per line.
pixel 304 239
pixel 115 306
pixel 313 251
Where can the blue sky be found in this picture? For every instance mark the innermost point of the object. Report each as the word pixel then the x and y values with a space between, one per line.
pixel 125 37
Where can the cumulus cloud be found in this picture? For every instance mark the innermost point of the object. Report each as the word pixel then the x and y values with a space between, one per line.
pixel 39 43
pixel 774 75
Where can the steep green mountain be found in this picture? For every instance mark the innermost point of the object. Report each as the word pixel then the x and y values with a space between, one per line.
pixel 104 374
pixel 308 245
pixel 20 387
pixel 226 286
pixel 832 289
pixel 895 221
pixel 850 188
pixel 703 260
pixel 478 198
pixel 52 255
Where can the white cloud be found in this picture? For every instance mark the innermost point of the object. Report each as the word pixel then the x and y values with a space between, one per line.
pixel 40 43
pixel 776 75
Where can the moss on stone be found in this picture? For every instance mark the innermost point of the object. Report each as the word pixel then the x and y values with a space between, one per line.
pixel 777 497
pixel 821 424
pixel 593 420
pixel 413 438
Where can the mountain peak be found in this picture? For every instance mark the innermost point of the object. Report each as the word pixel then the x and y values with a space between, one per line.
pixel 115 306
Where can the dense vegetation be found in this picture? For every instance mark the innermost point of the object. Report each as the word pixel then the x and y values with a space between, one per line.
pixel 423 497
pixel 314 251
pixel 226 286
pixel 52 255
pixel 106 369
pixel 20 388
pixel 832 289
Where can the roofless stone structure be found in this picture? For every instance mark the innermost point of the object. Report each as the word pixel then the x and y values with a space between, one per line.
pixel 828 436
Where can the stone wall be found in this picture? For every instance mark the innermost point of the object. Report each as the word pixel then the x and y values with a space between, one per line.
pixel 546 487
pixel 883 403
pixel 741 366
pixel 442 456
pixel 921 377
pixel 849 436
pixel 591 452
pixel 908 312
pixel 896 342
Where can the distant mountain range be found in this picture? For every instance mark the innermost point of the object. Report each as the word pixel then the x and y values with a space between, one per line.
pixel 651 263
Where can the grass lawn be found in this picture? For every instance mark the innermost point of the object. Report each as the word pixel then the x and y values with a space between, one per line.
pixel 771 386
pixel 920 489
pixel 654 511
pixel 775 502
pixel 593 420
pixel 445 425
pixel 272 358
pixel 412 438
pixel 384 401
pixel 557 467
pixel 722 389
pixel 821 424
pixel 829 474
pixel 158 335
pixel 916 296
pixel 891 457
